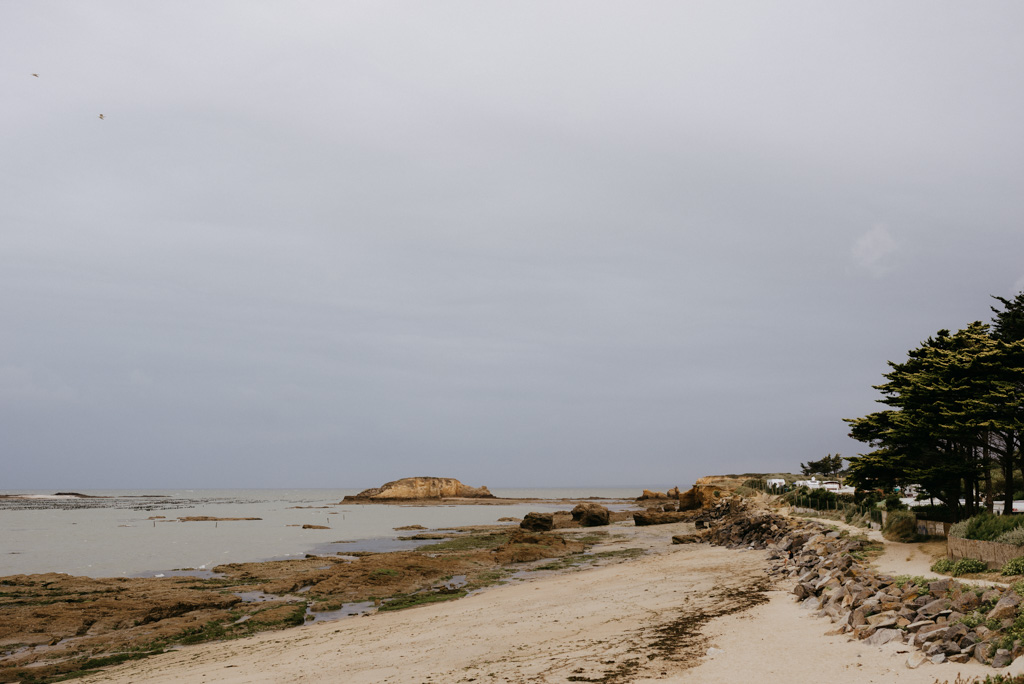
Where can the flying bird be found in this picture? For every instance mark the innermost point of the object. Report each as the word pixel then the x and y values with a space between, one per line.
pixel 101 116
pixel 36 75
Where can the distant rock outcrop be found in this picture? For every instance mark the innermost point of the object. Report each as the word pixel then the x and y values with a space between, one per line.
pixel 417 488
pixel 705 493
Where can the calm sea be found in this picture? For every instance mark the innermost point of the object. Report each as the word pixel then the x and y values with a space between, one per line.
pixel 124 537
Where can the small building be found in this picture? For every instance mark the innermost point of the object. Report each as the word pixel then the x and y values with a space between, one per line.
pixel 775 483
pixel 813 483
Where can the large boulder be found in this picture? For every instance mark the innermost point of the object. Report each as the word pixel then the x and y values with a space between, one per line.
pixel 415 488
pixel 591 514
pixel 538 522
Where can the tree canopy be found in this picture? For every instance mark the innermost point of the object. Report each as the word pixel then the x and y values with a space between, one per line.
pixel 956 408
pixel 830 466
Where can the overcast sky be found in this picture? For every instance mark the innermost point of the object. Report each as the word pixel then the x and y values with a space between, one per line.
pixel 331 244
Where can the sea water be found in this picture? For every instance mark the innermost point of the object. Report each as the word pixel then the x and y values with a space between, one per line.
pixel 137 533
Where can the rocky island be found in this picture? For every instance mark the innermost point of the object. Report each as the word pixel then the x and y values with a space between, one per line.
pixel 418 489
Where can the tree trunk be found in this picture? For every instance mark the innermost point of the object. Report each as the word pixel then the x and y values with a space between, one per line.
pixel 986 463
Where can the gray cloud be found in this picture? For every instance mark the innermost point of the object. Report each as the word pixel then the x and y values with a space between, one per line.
pixel 872 250
pixel 337 243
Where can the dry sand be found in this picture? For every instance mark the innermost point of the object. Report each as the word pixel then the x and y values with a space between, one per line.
pixel 690 613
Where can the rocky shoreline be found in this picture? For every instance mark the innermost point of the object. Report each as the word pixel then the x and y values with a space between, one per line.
pixel 941 620
pixel 54 624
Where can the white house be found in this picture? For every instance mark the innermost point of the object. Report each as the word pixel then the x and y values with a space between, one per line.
pixel 775 483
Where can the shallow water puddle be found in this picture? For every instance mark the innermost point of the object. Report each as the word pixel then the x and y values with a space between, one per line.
pixel 346 610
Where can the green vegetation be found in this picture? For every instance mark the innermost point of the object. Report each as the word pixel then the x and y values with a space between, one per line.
pixel 893 503
pixel 384 572
pixel 968 566
pixel 956 415
pixel 89 664
pixel 819 499
pixel 964 566
pixel 470 542
pixel 900 526
pixel 1013 567
pixel 958 567
pixel 920 582
pixel 939 512
pixel 409 600
pixel 488 578
pixel 830 466
pixel 211 631
pixel 1014 537
pixel 986 527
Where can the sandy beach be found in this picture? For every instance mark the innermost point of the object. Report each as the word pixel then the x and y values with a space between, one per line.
pixel 685 613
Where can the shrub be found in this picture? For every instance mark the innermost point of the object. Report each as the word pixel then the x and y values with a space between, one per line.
pixel 900 526
pixel 943 565
pixel 1014 567
pixel 939 512
pixel 1014 536
pixel 986 526
pixel 867 498
pixel 966 566
pixel 818 499
pixel 893 503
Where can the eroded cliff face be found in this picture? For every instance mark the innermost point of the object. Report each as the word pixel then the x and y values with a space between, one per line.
pixel 706 492
pixel 424 488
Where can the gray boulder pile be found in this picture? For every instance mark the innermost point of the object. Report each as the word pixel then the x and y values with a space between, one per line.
pixel 942 620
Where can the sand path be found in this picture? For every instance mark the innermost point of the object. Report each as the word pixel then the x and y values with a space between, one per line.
pixel 689 613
